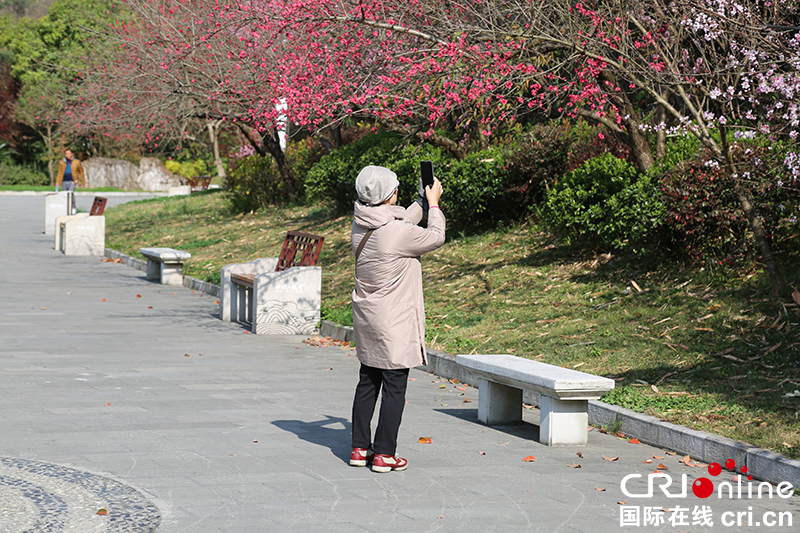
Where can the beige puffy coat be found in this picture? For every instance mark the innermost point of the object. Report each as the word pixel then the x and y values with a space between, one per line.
pixel 388 305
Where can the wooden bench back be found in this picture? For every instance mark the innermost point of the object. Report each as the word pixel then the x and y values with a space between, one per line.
pixel 308 245
pixel 199 183
pixel 98 206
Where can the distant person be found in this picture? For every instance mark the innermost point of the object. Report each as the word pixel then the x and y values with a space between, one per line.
pixel 388 307
pixel 70 171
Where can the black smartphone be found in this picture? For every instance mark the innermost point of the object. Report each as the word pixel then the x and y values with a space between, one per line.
pixel 427 173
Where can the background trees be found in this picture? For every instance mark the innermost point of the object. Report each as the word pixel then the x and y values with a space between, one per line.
pixel 663 82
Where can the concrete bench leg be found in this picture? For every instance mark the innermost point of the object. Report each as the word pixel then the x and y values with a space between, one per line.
pixel 499 405
pixel 165 273
pixel 172 273
pixel 563 422
pixel 153 270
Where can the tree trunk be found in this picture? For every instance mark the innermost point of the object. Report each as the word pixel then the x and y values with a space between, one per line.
pixel 213 128
pixel 636 140
pixel 661 133
pixel 48 140
pixel 759 235
pixel 272 144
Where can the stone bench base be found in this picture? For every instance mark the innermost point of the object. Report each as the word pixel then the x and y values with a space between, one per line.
pixel 279 303
pixel 80 234
pixel 565 395
pixel 165 265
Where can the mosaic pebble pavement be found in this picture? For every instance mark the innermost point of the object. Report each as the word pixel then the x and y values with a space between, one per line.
pixel 42 498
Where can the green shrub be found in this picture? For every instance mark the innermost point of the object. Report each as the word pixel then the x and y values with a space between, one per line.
pixel 604 203
pixel 22 175
pixel 301 156
pixel 187 169
pixel 476 192
pixel 536 160
pixel 333 177
pixel 254 182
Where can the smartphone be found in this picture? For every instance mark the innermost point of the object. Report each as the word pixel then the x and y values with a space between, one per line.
pixel 427 173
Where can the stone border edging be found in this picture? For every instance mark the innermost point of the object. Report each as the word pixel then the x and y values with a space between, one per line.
pixel 701 446
pixel 188 281
pixel 147 194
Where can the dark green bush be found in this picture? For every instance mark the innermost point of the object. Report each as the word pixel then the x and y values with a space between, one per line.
pixel 254 182
pixel 21 175
pixel 604 203
pixel 477 192
pixel 333 178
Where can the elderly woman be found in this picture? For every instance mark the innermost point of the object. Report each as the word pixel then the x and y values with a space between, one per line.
pixel 388 307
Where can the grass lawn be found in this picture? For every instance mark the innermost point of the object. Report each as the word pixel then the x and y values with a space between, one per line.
pixel 710 350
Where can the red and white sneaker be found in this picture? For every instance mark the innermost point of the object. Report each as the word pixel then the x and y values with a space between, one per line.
pixel 361 456
pixel 387 463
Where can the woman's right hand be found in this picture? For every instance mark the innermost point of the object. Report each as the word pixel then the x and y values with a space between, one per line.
pixel 433 193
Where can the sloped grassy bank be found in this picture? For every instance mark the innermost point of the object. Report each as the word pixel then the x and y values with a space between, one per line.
pixel 709 350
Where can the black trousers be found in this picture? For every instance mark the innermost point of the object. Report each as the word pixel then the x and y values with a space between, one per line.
pixel 393 400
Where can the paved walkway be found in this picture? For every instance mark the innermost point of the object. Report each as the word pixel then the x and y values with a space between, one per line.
pixel 121 394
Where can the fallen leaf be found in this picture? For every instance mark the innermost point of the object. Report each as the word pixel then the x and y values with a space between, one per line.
pixel 599 489
pixel 425 440
pixel 672 453
pixel 102 512
pixel 327 369
pixel 787 444
pixel 638 289
pixel 580 454
pixel 529 459
pixel 186 355
pixel 622 503
pixel 138 295
pixel 662 466
pixel 149 306
pixel 442 386
pixel 610 458
pixel 658 457
pixel 69 293
pixel 105 300
pixel 412 379
pixel 603 431
pixel 647 461
pixel 634 441
pixel 503 443
pixel 796 297
pixel 44 308
pixel 481 452
pixel 655 389
pixel 255 440
pixel 573 465
pixel 106 404
pixel 467 400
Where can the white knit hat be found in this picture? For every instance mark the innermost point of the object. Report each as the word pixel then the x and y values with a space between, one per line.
pixel 375 185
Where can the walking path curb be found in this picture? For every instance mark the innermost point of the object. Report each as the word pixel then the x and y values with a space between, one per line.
pixel 149 194
pixel 700 445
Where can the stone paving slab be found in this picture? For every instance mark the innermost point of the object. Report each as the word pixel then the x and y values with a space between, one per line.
pixel 225 431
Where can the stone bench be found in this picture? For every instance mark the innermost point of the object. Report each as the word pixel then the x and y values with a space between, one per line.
pixel 87 237
pixel 56 204
pixel 165 265
pixel 565 395
pixel 278 295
